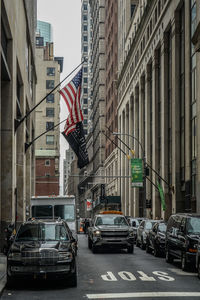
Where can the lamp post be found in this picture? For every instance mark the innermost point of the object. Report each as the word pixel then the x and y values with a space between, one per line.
pixel 144 163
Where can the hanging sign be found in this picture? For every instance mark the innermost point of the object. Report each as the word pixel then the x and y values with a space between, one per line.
pixel 136 172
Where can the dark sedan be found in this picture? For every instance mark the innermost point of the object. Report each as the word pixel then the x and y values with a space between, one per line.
pixel 156 239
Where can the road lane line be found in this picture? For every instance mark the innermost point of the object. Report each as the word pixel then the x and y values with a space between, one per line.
pixel 143 295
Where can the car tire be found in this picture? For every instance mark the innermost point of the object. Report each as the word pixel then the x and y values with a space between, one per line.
pixel 148 250
pixel 130 249
pixel 94 249
pixel 184 263
pixel 73 278
pixel 156 251
pixel 137 243
pixel 89 243
pixel 168 256
pixel 143 246
pixel 198 269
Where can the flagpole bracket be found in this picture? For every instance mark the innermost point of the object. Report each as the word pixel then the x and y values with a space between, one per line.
pixel 17 122
pixel 26 146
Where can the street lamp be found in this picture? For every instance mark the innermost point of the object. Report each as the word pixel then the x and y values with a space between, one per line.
pixel 144 162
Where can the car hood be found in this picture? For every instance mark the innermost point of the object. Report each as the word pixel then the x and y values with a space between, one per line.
pixel 39 245
pixel 112 227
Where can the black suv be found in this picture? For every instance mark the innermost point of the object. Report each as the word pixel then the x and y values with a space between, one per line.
pixel 43 249
pixel 110 229
pixel 182 235
pixel 155 240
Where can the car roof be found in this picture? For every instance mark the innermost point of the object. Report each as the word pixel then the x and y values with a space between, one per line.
pixel 44 221
pixel 113 215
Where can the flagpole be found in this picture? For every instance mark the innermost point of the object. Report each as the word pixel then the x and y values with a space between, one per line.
pixel 18 122
pixel 27 145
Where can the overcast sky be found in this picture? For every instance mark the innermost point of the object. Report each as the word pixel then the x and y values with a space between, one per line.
pixel 65 18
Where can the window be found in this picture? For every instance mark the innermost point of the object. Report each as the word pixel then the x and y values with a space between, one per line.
pixel 85 38
pixel 85 111
pixel 85 101
pixel 49 112
pixel 49 84
pixel 50 98
pixel 85 122
pixel 49 125
pixel 85 7
pixel 85 90
pixel 84 27
pixel 50 139
pixel 51 71
pixel 47 162
pixel 84 17
pixel 85 49
pixel 85 69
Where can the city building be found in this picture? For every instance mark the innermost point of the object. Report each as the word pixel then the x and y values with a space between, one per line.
pixel 44 31
pixel 18 81
pixel 69 157
pixel 47 146
pixel 158 107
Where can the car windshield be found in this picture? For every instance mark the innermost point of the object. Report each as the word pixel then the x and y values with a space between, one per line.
pixel 149 225
pixel 111 220
pixel 193 225
pixel 162 227
pixel 42 232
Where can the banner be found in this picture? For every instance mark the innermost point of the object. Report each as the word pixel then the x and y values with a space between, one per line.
pixel 162 196
pixel 89 204
pixel 136 172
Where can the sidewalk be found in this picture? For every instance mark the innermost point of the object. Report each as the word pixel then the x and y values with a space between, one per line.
pixel 3 266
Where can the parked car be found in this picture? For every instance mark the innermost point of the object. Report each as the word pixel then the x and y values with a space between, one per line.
pixel 198 259
pixel 110 229
pixel 182 236
pixel 156 239
pixel 134 223
pixel 142 232
pixel 43 249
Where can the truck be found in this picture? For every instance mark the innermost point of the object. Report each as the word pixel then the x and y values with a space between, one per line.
pixel 51 207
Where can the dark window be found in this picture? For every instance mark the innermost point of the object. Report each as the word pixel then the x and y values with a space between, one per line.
pixel 85 111
pixel 50 98
pixel 85 49
pixel 85 90
pixel 49 84
pixel 85 38
pixel 85 69
pixel 44 211
pixel 51 71
pixel 49 112
pixel 85 17
pixel 85 6
pixel 50 139
pixel 84 27
pixel 49 125
pixel 85 101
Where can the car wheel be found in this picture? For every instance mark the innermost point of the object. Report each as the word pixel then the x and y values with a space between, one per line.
pixel 143 246
pixel 130 249
pixel 73 278
pixel 94 249
pixel 89 243
pixel 184 263
pixel 198 270
pixel 156 251
pixel 169 257
pixel 137 243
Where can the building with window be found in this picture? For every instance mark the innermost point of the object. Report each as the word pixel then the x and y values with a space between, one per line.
pixel 44 30
pixel 47 116
pixel 158 110
pixel 17 98
pixel 69 157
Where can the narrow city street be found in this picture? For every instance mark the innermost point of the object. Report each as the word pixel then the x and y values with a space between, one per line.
pixel 115 275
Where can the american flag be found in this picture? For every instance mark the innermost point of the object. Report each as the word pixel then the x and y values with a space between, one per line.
pixel 71 94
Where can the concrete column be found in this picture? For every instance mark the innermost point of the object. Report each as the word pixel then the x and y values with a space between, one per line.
pixel 136 147
pixel 123 161
pixel 131 144
pixel 177 203
pixel 148 131
pixel 155 195
pixel 126 139
pixel 164 126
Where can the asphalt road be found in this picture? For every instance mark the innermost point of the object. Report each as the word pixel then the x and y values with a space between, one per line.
pixel 115 275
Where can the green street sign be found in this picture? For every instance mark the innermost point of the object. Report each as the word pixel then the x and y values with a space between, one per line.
pixel 136 172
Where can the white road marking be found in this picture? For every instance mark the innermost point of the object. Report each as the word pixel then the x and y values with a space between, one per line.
pixel 181 272
pixel 143 295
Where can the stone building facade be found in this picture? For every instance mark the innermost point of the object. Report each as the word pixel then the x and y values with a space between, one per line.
pixel 18 80
pixel 159 106
pixel 47 147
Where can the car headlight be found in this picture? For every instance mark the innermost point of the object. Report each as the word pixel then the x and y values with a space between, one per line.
pixel 15 256
pixel 97 233
pixel 131 233
pixel 65 256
